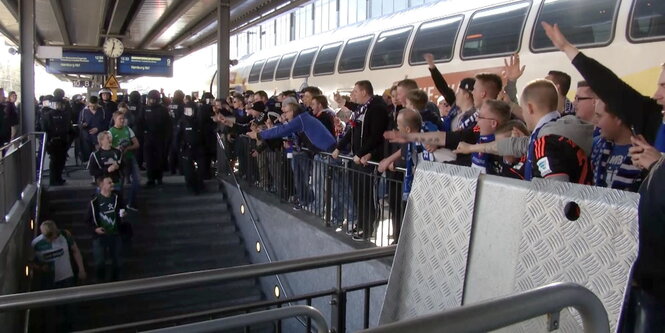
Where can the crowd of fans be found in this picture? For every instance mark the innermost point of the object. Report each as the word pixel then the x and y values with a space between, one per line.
pixel 609 136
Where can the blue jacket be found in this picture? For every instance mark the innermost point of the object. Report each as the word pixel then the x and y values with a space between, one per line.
pixel 314 130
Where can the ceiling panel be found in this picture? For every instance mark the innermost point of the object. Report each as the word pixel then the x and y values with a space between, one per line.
pixel 194 14
pixel 147 16
pixel 8 22
pixel 47 25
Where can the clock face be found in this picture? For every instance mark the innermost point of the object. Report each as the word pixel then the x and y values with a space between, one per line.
pixel 113 47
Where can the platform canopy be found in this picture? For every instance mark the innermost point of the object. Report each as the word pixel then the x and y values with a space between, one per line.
pixel 175 27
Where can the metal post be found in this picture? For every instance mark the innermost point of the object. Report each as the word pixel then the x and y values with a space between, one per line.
pixel 27 47
pixel 328 190
pixel 223 49
pixel 338 305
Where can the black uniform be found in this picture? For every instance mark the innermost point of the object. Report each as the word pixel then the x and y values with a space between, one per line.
pixel 136 109
pixel 189 140
pixel 176 110
pixel 155 124
pixel 109 108
pixel 58 125
pixel 209 143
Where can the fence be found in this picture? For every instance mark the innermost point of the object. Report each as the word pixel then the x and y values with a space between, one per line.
pixel 351 198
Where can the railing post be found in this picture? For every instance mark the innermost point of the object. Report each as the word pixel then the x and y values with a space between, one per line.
pixel 328 192
pixel 338 305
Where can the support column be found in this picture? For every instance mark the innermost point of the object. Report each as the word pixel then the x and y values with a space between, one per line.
pixel 27 47
pixel 223 49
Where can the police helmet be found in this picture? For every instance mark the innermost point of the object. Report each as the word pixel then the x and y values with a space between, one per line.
pixel 104 91
pixel 58 94
pixel 135 97
pixel 154 97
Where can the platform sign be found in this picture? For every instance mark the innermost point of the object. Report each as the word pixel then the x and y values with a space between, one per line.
pixel 77 62
pixel 83 84
pixel 146 65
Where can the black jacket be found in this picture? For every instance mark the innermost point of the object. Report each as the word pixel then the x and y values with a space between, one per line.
pixel 366 136
pixel 634 109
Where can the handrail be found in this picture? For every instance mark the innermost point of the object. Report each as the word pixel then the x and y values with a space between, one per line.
pixel 184 280
pixel 38 204
pixel 495 314
pixel 220 142
pixel 350 158
pixel 251 319
pixel 14 141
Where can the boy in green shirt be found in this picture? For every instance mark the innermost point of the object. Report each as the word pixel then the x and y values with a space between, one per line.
pixel 104 215
pixel 124 139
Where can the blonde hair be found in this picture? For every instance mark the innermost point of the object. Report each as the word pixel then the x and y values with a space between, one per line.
pixel 103 134
pixel 49 229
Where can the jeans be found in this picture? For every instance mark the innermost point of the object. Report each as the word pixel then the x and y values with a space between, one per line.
pixel 319 172
pixel 132 169
pixel 104 246
pixel 301 173
pixel 343 205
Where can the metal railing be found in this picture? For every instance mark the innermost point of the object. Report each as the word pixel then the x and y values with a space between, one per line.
pixel 18 169
pixel 495 314
pixel 343 195
pixel 252 318
pixel 203 278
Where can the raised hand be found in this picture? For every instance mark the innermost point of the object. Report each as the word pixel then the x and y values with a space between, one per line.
pixel 559 40
pixel 512 70
pixel 430 59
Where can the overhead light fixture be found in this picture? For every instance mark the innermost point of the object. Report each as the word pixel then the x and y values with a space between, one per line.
pixel 276 291
pixel 242 209
pixel 258 246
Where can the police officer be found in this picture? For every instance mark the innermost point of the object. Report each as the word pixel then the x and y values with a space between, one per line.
pixel 108 105
pixel 189 140
pixel 208 127
pixel 57 124
pixel 135 107
pixel 176 110
pixel 156 126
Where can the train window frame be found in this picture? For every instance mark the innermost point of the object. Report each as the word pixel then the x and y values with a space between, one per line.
pixel 316 51
pixel 249 76
pixel 339 51
pixel 496 55
pixel 454 42
pixel 369 47
pixel 537 21
pixel 288 77
pixel 629 26
pixel 406 45
pixel 272 77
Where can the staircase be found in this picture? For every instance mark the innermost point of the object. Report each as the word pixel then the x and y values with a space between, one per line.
pixel 174 232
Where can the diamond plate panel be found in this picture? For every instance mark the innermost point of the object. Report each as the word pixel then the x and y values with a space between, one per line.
pixel 596 251
pixel 430 262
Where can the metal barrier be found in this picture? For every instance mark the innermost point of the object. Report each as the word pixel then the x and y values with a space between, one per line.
pixel 495 314
pixel 346 196
pixel 202 278
pixel 253 318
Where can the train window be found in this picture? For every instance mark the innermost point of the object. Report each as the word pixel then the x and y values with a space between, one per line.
pixel 284 68
pixel 647 20
pixel 585 23
pixel 325 61
pixel 495 31
pixel 389 48
pixel 269 69
pixel 354 54
pixel 255 72
pixel 435 37
pixel 304 63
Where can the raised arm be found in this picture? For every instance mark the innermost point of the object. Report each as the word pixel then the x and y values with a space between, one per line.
pixel 439 82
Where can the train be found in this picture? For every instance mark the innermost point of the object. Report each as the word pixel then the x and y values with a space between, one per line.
pixel 466 37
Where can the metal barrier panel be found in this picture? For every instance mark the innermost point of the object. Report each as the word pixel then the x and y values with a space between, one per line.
pixel 596 249
pixel 430 263
pixel 524 235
